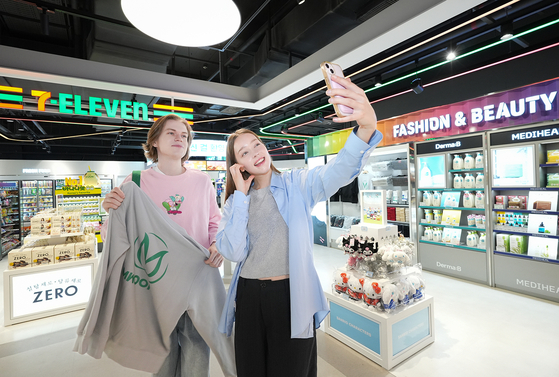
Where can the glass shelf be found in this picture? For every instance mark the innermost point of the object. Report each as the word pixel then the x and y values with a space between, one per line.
pixel 465 170
pixel 453 226
pixel 539 259
pixel 454 246
pixel 527 211
pixel 460 208
pixel 542 235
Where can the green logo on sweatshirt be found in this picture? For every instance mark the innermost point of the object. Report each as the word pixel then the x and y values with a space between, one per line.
pixel 151 263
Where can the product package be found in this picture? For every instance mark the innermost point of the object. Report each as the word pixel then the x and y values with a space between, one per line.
pixel 517 202
pixel 553 156
pixel 502 242
pixel 552 180
pixel 518 244
pixel 85 250
pixel 42 255
pixel 19 258
pixel 501 202
pixel 64 253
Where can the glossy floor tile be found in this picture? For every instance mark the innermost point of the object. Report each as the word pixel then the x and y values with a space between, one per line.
pixel 479 331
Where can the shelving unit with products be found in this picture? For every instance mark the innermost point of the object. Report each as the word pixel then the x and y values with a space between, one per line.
pixel 35 195
pixel 388 169
pixel 525 212
pixel 452 207
pixel 88 199
pixel 9 219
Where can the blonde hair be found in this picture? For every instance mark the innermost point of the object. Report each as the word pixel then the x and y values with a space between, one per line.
pixel 230 186
pixel 155 131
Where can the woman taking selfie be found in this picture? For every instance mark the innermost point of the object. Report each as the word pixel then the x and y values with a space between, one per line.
pixel 275 299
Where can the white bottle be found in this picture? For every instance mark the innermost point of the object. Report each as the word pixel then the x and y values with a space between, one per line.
pixel 481 243
pixel 428 216
pixel 458 180
pixel 437 198
pixel 469 181
pixel 480 199
pixel 479 161
pixel 468 199
pixel 480 180
pixel 469 162
pixel 437 216
pixel 458 162
pixel 425 176
pixel 427 198
pixel 437 235
pixel 429 233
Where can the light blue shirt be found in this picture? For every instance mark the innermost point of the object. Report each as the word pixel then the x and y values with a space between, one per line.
pixel 296 193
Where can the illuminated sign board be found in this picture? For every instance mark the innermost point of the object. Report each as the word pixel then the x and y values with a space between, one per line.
pixel 206 148
pixel 74 104
pixel 50 290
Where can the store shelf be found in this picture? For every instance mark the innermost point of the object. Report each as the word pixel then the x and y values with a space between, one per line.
pixel 526 188
pixel 466 170
pixel 398 222
pixel 453 226
pixel 397 205
pixel 460 208
pixel 542 235
pixel 527 211
pixel 455 189
pixel 549 165
pixel 524 256
pixel 454 246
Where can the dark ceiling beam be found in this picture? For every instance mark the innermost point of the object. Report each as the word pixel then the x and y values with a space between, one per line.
pixel 29 19
pixel 76 12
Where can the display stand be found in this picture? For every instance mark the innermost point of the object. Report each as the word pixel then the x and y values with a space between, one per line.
pixel 381 233
pixel 45 290
pixel 525 210
pixel 448 242
pixel 386 339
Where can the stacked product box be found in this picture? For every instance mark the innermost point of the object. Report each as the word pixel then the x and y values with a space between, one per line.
pixel 53 222
pixel 37 252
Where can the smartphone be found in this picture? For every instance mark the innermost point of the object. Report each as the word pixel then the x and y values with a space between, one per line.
pixel 245 174
pixel 329 69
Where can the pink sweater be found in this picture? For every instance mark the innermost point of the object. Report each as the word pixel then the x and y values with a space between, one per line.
pixel 188 199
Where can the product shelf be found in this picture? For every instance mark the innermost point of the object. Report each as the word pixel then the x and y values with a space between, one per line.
pixel 455 189
pixel 526 188
pixel 398 222
pixel 460 208
pixel 465 170
pixel 454 246
pixel 526 211
pixel 397 205
pixel 524 256
pixel 542 235
pixel 549 165
pixel 453 226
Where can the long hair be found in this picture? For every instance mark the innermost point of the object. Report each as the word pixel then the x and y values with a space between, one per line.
pixel 155 131
pixel 230 186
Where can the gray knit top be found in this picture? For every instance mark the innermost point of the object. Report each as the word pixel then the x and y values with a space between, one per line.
pixel 268 250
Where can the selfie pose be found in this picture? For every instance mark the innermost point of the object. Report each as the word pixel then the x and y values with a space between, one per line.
pixel 188 198
pixel 275 300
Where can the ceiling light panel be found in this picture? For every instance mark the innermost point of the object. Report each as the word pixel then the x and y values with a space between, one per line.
pixel 191 23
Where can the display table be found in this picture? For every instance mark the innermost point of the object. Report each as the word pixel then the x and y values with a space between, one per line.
pixel 42 291
pixel 386 339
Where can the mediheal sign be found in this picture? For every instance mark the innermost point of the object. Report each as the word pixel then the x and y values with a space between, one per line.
pixel 526 105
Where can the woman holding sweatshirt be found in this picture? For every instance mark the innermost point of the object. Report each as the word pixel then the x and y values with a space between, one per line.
pixel 188 197
pixel 275 298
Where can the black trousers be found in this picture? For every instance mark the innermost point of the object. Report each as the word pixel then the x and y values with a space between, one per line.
pixel 263 344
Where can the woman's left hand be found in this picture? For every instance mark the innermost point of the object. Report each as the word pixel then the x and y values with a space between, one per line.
pixel 354 97
pixel 216 259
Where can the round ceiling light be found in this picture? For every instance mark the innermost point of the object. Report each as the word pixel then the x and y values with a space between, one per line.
pixel 191 23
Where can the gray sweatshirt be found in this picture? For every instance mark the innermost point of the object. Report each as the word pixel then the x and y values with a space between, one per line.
pixel 150 272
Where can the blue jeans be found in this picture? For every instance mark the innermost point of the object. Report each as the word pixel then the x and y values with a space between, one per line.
pixel 189 356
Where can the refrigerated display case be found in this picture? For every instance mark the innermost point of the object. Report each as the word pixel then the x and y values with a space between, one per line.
pixel 9 210
pixel 45 194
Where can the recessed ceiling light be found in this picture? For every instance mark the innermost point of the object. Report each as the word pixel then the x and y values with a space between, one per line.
pixel 192 23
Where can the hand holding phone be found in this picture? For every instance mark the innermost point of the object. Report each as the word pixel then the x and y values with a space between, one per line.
pixel 241 177
pixel 329 69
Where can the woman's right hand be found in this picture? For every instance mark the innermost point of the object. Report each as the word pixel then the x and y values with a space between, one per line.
pixel 240 183
pixel 113 199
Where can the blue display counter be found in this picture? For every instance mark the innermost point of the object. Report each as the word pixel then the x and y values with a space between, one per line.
pixel 386 339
